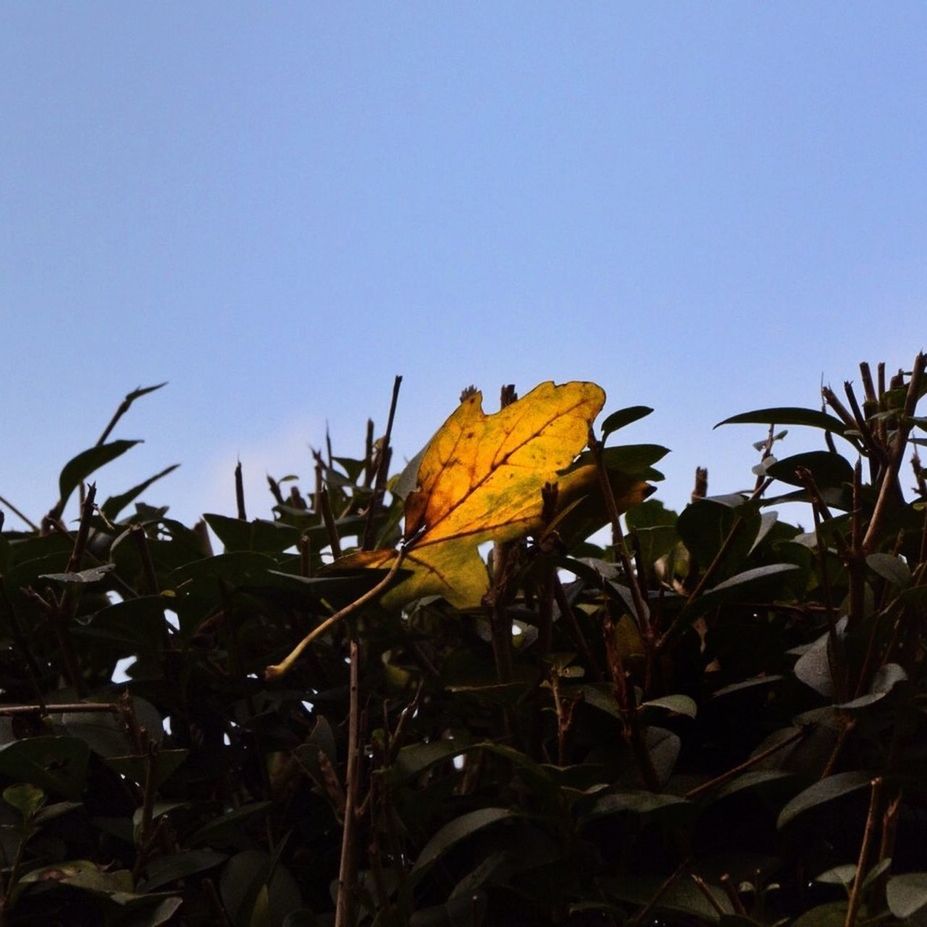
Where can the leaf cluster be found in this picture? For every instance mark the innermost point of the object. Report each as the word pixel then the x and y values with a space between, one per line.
pixel 710 717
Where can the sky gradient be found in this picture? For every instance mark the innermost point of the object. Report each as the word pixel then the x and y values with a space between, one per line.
pixel 705 208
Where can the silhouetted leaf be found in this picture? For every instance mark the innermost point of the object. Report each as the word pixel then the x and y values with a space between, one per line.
pixel 788 415
pixel 115 504
pixel 87 462
pixel 623 417
pixel 828 469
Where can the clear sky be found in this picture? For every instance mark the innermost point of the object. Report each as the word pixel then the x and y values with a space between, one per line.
pixel 704 207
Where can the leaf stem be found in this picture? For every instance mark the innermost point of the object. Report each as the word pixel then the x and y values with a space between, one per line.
pixel 856 895
pixel 277 670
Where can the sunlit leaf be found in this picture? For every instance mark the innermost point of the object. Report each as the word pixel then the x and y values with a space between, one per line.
pixel 480 479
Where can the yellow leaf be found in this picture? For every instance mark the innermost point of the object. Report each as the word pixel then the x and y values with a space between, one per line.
pixel 480 479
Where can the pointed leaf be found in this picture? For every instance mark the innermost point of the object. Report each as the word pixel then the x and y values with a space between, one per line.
pixel 890 567
pixel 788 415
pixel 90 575
pixel 827 469
pixel 55 764
pixel 80 467
pixel 885 679
pixel 455 831
pixel 482 474
pixel 25 798
pixel 115 504
pixel 624 417
pixel 821 792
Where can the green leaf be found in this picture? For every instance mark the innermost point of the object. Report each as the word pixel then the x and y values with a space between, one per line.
pixel 90 575
pixel 838 875
pixel 257 535
pixel 706 524
pixel 651 513
pixel 135 767
pixel 459 829
pixel 257 890
pixel 455 912
pixel 676 704
pixel 148 910
pixel 84 874
pixel 78 468
pixel 106 734
pixel 25 798
pixel 634 801
pixel 163 870
pixel 129 627
pixel 624 417
pixel 788 415
pixel 55 764
pixel 115 504
pixel 907 897
pixel 885 679
pixel 227 828
pixel 813 666
pixel 820 793
pixel 752 780
pixel 744 684
pixel 751 576
pixel 663 747
pixel 414 759
pixel 890 567
pixel 681 895
pixel 824 915
pixel 632 460
pixel 828 469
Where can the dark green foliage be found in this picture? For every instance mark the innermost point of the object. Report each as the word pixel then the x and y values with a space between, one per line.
pixel 711 720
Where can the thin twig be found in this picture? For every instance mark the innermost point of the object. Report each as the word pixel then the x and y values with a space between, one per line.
pixel 140 537
pixel 743 767
pixel 284 666
pixel 83 531
pixel 240 493
pixel 124 407
pixel 856 894
pixel 328 520
pixel 618 542
pixel 347 869
pixel 19 514
pixel 890 473
pixel 660 892
pixel 702 886
pixel 63 708
pixel 382 470
pixel 593 666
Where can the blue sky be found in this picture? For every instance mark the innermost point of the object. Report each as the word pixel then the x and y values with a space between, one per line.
pixel 704 207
